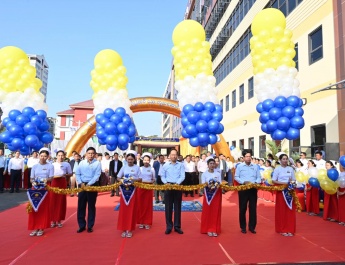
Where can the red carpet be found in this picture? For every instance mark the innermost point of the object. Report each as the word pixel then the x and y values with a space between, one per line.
pixel 316 240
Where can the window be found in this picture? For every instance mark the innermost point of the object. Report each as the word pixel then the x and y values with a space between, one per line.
pixel 251 143
pixel 241 94
pixel 315 45
pixel 234 99
pixel 286 6
pixel 262 146
pixel 296 56
pixel 227 103
pixel 233 143
pixel 222 103
pixel 250 88
pixel 241 144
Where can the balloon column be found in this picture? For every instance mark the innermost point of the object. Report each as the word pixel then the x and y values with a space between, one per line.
pixel 201 114
pixel 115 127
pixel 276 85
pixel 23 106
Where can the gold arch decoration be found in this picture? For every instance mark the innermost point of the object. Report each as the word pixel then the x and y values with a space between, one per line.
pixel 140 104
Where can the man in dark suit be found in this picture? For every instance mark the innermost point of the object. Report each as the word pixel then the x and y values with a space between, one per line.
pixel 139 161
pixel 114 168
pixel 157 165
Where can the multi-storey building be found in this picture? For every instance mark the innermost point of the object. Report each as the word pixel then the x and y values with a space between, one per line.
pixel 40 63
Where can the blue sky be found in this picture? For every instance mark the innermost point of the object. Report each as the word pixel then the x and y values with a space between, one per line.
pixel 69 33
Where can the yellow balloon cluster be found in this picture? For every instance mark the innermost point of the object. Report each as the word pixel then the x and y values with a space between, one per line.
pixel 271 45
pixel 108 72
pixel 191 52
pixel 267 175
pixel 301 177
pixel 16 73
pixel 329 186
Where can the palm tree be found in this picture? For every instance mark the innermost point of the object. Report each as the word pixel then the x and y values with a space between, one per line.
pixel 275 148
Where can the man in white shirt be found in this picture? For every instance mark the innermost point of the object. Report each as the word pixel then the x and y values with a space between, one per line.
pixel 33 160
pixel 189 168
pixel 105 169
pixel 202 167
pixel 16 171
pixel 320 163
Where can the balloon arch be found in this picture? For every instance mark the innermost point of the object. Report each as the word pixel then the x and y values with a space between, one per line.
pixel 140 104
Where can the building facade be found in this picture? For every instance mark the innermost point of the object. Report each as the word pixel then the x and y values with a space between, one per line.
pixel 40 63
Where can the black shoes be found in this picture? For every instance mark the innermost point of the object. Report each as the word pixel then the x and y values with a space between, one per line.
pixel 90 230
pixel 111 195
pixel 81 229
pixel 168 231
pixel 179 231
pixel 243 231
pixel 252 231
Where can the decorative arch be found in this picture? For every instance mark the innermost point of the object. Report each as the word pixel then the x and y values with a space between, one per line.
pixel 140 104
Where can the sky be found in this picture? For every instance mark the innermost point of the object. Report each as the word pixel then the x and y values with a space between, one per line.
pixel 69 33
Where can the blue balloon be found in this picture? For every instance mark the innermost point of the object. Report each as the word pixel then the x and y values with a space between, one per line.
pixel 213 126
pixel 264 117
pixel 110 128
pixel 275 113
pixel 132 139
pixel 218 108
pixel 206 115
pixel 17 143
pixel 116 119
pixel 194 141
pixel 38 146
pixel 42 114
pixel 299 111
pixel 122 128
pixel 191 130
pixel 259 108
pixel 201 126
pixel 185 121
pixel 37 120
pixel 9 146
pixel 101 134
pixel 111 140
pixel 198 106
pixel 292 134
pixel 123 147
pixel 31 140
pixel 6 137
pixel 5 121
pixel 283 124
pixel 332 173
pixel 264 128
pixel 203 144
pixel 111 147
pixel 216 115
pixel 98 126
pixel 342 161
pixel 293 101
pixel 127 120
pixel 122 139
pixel 16 130
pixel 44 126
pixel 280 102
pixel 10 124
pixel 288 112
pixel 267 104
pixel 278 135
pixel 193 117
pixel 297 122
pixel 30 128
pixel 13 114
pixel 120 112
pixel 103 121
pixel 47 138
pixel 25 150
pixel 271 126
pixel 220 129
pixel 101 141
pixel 187 108
pixel 108 112
pixel 28 112
pixel 99 117
pixel 212 139
pixel 132 130
pixel 300 104
pixel 314 182
pixel 232 147
pixel 185 134
pixel 210 106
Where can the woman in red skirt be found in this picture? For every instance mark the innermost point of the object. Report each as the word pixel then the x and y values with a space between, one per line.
pixel 341 204
pixel 312 195
pixel 144 197
pixel 42 171
pixel 62 170
pixel 212 203
pixel 330 202
pixel 285 216
pixel 128 206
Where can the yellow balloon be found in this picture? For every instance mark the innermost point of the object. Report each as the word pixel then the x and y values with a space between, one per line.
pixel 267 174
pixel 322 172
pixel 11 54
pixel 268 19
pixel 188 30
pixel 107 56
pixel 300 177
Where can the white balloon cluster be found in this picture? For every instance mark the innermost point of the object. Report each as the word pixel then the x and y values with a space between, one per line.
pixel 236 153
pixel 111 98
pixel 201 88
pixel 273 83
pixel 17 100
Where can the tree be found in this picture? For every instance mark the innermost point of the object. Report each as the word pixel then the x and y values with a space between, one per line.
pixel 274 148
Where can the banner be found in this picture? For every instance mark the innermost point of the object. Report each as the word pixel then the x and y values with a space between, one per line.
pixel 36 197
pixel 127 193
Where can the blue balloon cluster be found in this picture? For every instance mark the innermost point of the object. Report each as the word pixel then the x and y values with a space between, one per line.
pixel 201 123
pixel 282 117
pixel 26 131
pixel 115 129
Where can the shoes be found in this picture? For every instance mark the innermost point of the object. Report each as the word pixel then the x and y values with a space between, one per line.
pixel 40 232
pixel 33 233
pixel 200 195
pixel 147 227
pixel 167 231
pixel 141 226
pixel 111 195
pixel 290 234
pixel 252 231
pixel 17 191
pixel 124 234
pixel 243 231
pixel 129 234
pixel 332 220
pixel 72 195
pixel 81 229
pixel 215 234
pixel 89 230
pixel 59 225
pixel 286 234
pixel 209 234
pixel 342 223
pixel 52 225
pixel 179 231
pixel 11 191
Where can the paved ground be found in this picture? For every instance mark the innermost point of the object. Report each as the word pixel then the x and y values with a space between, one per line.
pixel 10 200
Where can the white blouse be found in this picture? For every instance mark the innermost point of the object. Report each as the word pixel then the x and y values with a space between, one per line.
pixel 60 169
pixel 284 174
pixel 207 176
pixel 42 171
pixel 133 171
pixel 147 174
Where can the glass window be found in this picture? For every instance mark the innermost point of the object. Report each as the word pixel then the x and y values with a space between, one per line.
pixel 296 56
pixel 315 45
pixel 233 143
pixel 234 99
pixel 250 88
pixel 241 94
pixel 241 144
pixel 262 146
pixel 227 103
pixel 222 103
pixel 251 143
